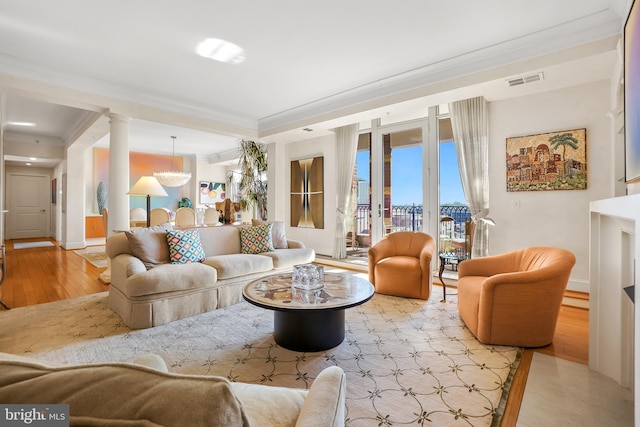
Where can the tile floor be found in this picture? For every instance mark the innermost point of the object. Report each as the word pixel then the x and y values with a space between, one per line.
pixel 563 393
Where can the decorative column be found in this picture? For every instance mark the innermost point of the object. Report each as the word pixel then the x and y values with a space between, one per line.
pixel 118 203
pixel 276 206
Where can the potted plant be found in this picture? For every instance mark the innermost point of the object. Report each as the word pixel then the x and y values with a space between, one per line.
pixel 253 184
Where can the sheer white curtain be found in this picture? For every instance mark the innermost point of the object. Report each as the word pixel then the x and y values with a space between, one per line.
pixel 346 147
pixel 470 123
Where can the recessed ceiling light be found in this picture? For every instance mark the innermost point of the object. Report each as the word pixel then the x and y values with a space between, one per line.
pixel 27 124
pixel 33 159
pixel 28 164
pixel 221 50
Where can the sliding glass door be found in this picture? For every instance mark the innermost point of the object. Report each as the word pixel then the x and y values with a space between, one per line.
pixel 389 182
pixel 402 181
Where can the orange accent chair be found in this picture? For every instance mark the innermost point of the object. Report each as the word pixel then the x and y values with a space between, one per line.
pixel 400 264
pixel 514 298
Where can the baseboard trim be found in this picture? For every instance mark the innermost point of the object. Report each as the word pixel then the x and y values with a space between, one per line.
pixel 576 299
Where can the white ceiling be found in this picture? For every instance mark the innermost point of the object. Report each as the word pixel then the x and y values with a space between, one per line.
pixel 308 64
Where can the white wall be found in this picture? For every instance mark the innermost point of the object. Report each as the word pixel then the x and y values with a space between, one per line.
pixel 90 186
pixel 56 214
pixel 205 171
pixel 550 218
pixel 321 240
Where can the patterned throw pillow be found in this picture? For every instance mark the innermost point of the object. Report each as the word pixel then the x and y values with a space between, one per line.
pixel 256 239
pixel 185 246
pixel 277 233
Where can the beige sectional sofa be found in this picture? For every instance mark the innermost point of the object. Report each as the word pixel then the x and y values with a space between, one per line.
pixel 147 290
pixel 146 394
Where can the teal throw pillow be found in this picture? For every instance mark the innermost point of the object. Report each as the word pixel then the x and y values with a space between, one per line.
pixel 185 246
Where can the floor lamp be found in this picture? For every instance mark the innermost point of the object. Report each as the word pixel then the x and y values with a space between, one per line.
pixel 147 186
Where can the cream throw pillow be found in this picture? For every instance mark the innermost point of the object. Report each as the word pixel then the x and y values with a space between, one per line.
pixel 277 233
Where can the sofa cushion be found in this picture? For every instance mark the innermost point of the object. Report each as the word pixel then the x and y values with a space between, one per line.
pixel 236 265
pixel 168 278
pixel 114 393
pixel 287 258
pixel 184 246
pixel 277 232
pixel 150 244
pixel 270 405
pixel 256 239
pixel 221 240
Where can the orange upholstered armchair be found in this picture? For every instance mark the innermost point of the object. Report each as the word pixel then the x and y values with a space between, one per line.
pixel 400 264
pixel 514 298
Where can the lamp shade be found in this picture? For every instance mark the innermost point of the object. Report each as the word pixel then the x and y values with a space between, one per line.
pixel 147 186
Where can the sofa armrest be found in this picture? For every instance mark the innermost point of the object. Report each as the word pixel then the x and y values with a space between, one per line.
pixel 152 361
pixel 325 403
pixel 381 250
pixel 294 244
pixel 124 266
pixel 489 265
pixel 426 257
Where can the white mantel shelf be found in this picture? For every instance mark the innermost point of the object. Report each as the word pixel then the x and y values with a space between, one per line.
pixel 614 324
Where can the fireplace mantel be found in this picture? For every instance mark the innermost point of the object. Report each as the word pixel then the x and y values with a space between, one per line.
pixel 614 324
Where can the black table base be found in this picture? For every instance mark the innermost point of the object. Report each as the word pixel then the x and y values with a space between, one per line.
pixel 309 330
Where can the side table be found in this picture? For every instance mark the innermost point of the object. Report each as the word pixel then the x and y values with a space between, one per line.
pixel 447 258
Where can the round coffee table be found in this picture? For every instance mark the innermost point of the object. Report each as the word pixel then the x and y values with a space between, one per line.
pixel 308 320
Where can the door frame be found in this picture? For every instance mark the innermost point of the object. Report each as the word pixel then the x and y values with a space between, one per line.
pixel 428 126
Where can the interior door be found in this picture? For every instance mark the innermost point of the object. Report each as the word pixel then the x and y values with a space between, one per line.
pixel 28 204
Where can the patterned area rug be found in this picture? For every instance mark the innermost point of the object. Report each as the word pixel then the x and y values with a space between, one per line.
pixel 408 362
pixel 96 255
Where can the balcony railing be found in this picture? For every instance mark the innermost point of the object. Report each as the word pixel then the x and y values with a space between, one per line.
pixel 409 217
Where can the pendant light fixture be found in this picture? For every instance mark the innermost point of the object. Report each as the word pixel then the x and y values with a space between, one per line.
pixel 173 178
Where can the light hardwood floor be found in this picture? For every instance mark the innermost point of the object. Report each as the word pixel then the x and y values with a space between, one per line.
pixel 40 275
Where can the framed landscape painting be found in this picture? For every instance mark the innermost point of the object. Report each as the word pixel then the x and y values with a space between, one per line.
pixel 547 161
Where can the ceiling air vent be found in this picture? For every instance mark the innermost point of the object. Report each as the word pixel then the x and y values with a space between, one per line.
pixel 518 81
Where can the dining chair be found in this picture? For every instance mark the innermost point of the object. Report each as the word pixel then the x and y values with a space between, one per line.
pixel 186 217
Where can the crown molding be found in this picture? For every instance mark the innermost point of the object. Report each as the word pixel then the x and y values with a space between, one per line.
pixel 590 31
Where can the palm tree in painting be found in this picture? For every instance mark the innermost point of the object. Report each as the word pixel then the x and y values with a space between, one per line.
pixel 563 140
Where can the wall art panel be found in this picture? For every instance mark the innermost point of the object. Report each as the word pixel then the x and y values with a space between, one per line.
pixel 307 193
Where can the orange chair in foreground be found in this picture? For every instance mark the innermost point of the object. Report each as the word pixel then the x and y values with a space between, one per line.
pixel 400 264
pixel 514 298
